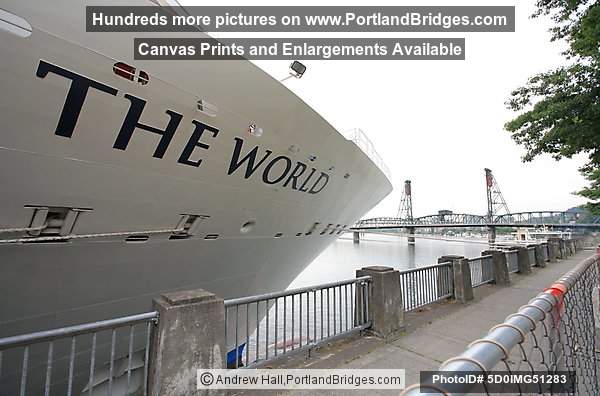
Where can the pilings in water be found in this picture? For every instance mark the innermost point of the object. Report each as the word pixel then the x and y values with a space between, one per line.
pixel 411 235
pixel 491 235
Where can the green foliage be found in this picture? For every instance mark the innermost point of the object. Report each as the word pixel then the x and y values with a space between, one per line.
pixel 504 230
pixel 562 106
pixel 593 191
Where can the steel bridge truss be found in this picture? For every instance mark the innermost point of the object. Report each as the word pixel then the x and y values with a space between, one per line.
pixel 524 219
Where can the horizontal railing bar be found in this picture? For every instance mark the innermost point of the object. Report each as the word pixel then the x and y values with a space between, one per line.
pixel 324 341
pixel 480 257
pixel 71 331
pixel 483 282
pixel 438 265
pixel 269 296
pixel 440 298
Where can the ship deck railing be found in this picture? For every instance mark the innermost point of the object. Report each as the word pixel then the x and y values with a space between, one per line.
pixel 361 140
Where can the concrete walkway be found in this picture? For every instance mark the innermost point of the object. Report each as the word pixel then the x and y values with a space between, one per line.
pixel 436 334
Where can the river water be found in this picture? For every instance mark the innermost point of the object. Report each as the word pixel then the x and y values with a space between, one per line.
pixel 343 257
pixel 313 316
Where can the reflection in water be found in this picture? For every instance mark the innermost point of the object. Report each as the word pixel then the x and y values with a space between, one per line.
pixel 294 321
pixel 343 257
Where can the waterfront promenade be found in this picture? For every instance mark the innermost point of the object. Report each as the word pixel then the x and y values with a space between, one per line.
pixel 435 334
pixel 421 317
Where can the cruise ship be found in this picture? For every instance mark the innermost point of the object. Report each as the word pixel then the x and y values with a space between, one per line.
pixel 124 179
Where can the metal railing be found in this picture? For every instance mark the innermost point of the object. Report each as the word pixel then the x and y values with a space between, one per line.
pixel 555 331
pixel 459 220
pixel 539 218
pixel 89 358
pixel 294 320
pixel 360 139
pixel 482 270
pixel 423 221
pixel 512 260
pixel 426 285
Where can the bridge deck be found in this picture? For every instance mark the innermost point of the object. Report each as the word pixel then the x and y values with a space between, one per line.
pixel 447 220
pixel 471 225
pixel 436 334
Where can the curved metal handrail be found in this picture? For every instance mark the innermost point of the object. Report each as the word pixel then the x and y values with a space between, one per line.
pixel 358 137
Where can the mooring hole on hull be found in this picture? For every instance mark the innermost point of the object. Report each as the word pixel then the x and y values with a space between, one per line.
pixel 137 238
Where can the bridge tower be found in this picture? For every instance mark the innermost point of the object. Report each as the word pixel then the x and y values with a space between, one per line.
pixel 405 208
pixel 495 203
pixel 405 211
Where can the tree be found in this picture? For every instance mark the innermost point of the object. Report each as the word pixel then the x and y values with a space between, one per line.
pixel 562 106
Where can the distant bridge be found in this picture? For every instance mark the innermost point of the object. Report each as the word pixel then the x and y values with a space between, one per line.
pixel 464 220
pixel 493 219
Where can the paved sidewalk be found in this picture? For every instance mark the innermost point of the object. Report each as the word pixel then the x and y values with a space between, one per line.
pixel 437 334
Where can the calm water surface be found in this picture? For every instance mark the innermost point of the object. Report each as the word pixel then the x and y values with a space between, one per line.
pixel 343 257
pixel 295 321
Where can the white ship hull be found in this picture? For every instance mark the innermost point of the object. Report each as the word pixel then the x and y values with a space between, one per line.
pixel 134 190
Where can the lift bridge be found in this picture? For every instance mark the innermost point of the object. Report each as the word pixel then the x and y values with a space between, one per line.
pixel 498 215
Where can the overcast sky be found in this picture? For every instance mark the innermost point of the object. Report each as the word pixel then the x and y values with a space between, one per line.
pixel 439 123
